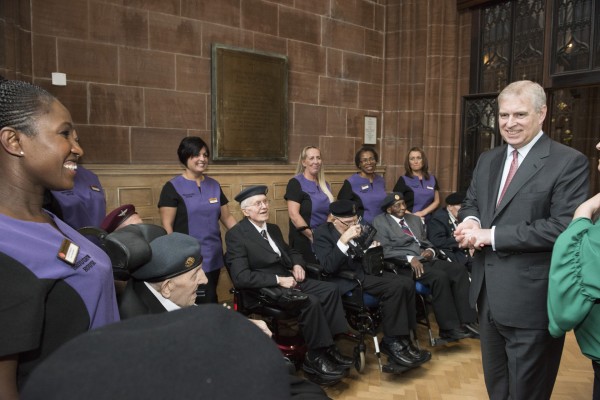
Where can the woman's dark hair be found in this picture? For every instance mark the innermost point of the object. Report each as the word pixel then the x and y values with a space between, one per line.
pixel 424 169
pixel 363 150
pixel 20 103
pixel 190 147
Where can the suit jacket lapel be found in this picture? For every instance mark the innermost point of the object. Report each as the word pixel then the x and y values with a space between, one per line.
pixel 497 164
pixel 253 235
pixel 279 245
pixel 530 166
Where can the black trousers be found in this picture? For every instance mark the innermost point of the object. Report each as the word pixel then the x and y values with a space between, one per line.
pixel 396 294
pixel 207 293
pixel 323 316
pixel 518 363
pixel 449 284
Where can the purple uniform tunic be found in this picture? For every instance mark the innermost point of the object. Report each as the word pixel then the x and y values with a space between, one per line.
pixel 319 201
pixel 371 194
pixel 85 204
pixel 203 214
pixel 36 245
pixel 424 191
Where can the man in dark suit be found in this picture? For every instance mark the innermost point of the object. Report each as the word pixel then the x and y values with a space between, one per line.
pixel 258 257
pixel 396 294
pixel 441 226
pixel 403 239
pixel 513 228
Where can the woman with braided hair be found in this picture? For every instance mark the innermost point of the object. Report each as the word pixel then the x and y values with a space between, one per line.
pixel 54 283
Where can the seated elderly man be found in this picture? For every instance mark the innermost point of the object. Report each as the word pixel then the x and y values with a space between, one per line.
pixel 258 257
pixel 440 230
pixel 396 293
pixel 168 282
pixel 402 236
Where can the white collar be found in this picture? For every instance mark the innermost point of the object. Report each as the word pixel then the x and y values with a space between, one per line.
pixel 166 303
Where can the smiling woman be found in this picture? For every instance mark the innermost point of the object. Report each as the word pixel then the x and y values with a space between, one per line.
pixel 308 197
pixel 192 203
pixel 65 287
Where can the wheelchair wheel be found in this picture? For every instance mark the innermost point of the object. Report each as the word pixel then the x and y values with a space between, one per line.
pixel 359 360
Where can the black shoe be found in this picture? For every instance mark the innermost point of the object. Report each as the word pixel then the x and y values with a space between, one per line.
pixel 419 355
pixel 334 353
pixel 399 353
pixel 454 334
pixel 473 328
pixel 322 370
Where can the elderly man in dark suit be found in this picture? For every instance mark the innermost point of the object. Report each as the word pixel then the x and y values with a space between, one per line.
pixel 522 196
pixel 258 257
pixel 441 226
pixel 402 236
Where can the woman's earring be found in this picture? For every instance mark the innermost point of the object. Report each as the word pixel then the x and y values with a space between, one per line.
pixel 22 153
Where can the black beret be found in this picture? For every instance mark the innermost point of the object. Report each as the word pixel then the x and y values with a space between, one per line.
pixel 117 217
pixel 172 255
pixel 455 198
pixel 390 199
pixel 251 191
pixel 203 352
pixel 343 208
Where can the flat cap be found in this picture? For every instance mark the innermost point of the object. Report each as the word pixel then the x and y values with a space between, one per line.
pixel 390 199
pixel 117 217
pixel 251 191
pixel 343 208
pixel 204 352
pixel 454 199
pixel 172 255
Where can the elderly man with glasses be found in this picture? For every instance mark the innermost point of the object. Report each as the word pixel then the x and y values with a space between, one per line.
pixel 396 293
pixel 258 257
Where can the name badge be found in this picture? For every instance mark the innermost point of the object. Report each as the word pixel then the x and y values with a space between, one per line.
pixel 95 188
pixel 429 187
pixel 364 187
pixel 68 252
pixel 212 200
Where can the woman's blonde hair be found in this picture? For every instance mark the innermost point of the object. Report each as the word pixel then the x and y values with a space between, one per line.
pixel 320 177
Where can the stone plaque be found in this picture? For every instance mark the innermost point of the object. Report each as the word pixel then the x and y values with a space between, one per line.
pixel 249 105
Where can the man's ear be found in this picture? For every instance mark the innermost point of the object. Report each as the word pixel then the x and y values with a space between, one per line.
pixel 10 141
pixel 245 212
pixel 166 288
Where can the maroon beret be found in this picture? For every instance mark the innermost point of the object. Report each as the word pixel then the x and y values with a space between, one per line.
pixel 117 217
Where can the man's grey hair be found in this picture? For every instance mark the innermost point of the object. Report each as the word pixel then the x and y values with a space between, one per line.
pixel 526 88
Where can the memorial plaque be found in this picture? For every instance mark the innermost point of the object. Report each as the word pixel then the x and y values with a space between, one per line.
pixel 249 105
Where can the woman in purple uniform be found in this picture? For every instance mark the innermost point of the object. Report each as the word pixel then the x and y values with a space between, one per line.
pixel 192 203
pixel 55 284
pixel 83 205
pixel 365 188
pixel 419 188
pixel 308 196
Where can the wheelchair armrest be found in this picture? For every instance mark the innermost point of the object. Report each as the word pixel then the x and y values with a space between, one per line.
pixel 348 275
pixel 315 271
pixel 273 293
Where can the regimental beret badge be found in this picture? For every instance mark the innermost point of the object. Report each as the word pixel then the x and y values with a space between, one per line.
pixel 189 262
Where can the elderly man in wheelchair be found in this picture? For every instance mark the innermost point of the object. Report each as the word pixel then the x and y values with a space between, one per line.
pixel 333 246
pixel 402 236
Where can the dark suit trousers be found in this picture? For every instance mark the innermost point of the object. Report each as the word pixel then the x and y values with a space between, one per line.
pixel 518 363
pixel 449 285
pixel 396 296
pixel 323 316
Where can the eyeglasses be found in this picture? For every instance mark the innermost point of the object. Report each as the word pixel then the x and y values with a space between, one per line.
pixel 367 160
pixel 260 203
pixel 353 222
